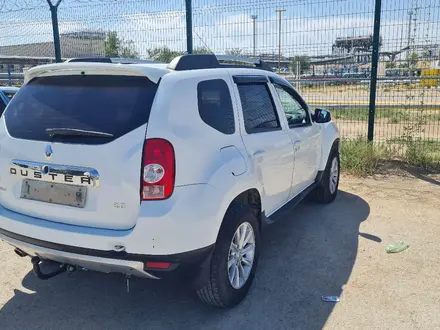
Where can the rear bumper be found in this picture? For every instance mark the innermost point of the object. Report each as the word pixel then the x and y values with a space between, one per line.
pixel 189 220
pixel 110 261
pixel 171 231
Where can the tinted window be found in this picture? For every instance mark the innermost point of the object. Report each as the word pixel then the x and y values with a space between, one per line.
pixel 296 112
pixel 108 104
pixel 9 95
pixel 215 105
pixel 2 106
pixel 258 108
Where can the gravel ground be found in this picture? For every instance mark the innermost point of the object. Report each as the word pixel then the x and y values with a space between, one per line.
pixel 337 249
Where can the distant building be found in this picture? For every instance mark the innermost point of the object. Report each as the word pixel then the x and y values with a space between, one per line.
pixel 271 59
pixel 73 44
pixel 429 52
pixel 350 45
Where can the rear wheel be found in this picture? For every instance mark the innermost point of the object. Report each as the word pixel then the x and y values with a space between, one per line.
pixel 328 188
pixel 234 260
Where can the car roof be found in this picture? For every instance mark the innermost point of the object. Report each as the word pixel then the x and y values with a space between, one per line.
pixel 153 71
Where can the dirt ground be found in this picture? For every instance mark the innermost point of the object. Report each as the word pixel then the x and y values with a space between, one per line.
pixel 336 249
pixel 361 94
pixel 398 99
pixel 385 130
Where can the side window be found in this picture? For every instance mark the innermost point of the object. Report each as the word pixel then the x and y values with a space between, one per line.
pixel 215 105
pixel 296 113
pixel 9 95
pixel 258 108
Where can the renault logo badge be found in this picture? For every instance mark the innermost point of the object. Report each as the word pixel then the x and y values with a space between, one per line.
pixel 48 152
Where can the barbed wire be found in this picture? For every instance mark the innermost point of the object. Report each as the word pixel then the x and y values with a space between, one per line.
pixel 17 5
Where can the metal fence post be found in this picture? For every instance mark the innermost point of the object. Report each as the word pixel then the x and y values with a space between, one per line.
pixel 189 34
pixel 9 75
pixel 56 32
pixel 374 64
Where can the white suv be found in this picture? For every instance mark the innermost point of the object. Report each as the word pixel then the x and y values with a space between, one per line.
pixel 155 170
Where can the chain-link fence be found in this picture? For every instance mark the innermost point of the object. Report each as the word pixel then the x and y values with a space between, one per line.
pixel 325 48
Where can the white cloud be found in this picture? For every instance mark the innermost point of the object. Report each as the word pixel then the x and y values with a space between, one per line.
pixel 311 36
pixel 153 30
pixel 221 31
pixel 299 36
pixel 23 31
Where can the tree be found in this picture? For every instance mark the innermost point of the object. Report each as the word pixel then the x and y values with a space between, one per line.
pixel 117 47
pixel 390 65
pixel 165 55
pixel 234 52
pixel 202 50
pixel 413 59
pixel 128 51
pixel 112 44
pixel 162 54
pixel 304 63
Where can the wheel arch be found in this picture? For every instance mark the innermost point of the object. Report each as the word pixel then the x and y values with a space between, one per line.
pixel 248 198
pixel 330 140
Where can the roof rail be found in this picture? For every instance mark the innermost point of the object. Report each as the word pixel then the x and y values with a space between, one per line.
pixel 109 60
pixel 90 59
pixel 130 61
pixel 211 61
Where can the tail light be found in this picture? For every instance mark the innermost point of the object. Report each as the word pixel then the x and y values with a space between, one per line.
pixel 157 265
pixel 158 170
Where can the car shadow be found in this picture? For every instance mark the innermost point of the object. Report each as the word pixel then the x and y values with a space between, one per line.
pixel 309 253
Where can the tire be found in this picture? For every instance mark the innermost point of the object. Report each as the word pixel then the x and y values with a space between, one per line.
pixel 325 193
pixel 217 289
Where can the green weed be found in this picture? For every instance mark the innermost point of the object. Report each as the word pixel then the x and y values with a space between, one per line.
pixel 361 157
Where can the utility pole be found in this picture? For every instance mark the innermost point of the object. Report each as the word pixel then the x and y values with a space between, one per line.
pixel 279 11
pixel 56 32
pixel 298 74
pixel 402 37
pixel 410 13
pixel 254 17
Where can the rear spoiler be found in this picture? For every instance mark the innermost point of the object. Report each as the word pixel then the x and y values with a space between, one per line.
pixel 153 72
pixel 116 60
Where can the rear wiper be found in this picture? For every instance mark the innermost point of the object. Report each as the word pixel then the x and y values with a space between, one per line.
pixel 75 132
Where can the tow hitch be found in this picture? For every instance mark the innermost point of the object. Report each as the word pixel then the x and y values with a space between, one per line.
pixel 42 276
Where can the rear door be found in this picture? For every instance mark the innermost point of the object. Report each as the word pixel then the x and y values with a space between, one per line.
pixel 268 145
pixel 71 147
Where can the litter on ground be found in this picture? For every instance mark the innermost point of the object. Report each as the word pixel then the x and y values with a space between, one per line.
pixel 397 247
pixel 330 298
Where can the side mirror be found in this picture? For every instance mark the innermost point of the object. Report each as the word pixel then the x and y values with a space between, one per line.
pixel 322 116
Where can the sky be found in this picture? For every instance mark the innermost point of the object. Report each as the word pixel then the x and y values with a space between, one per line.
pixel 307 26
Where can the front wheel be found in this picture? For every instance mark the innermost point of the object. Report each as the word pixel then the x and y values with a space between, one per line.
pixel 234 260
pixel 328 188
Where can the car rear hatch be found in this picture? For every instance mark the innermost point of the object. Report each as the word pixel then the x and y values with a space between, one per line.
pixel 71 148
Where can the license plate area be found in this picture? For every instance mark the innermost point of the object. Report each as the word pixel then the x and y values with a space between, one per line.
pixel 54 193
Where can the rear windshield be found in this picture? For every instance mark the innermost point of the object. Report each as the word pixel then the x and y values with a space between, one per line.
pixel 114 105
